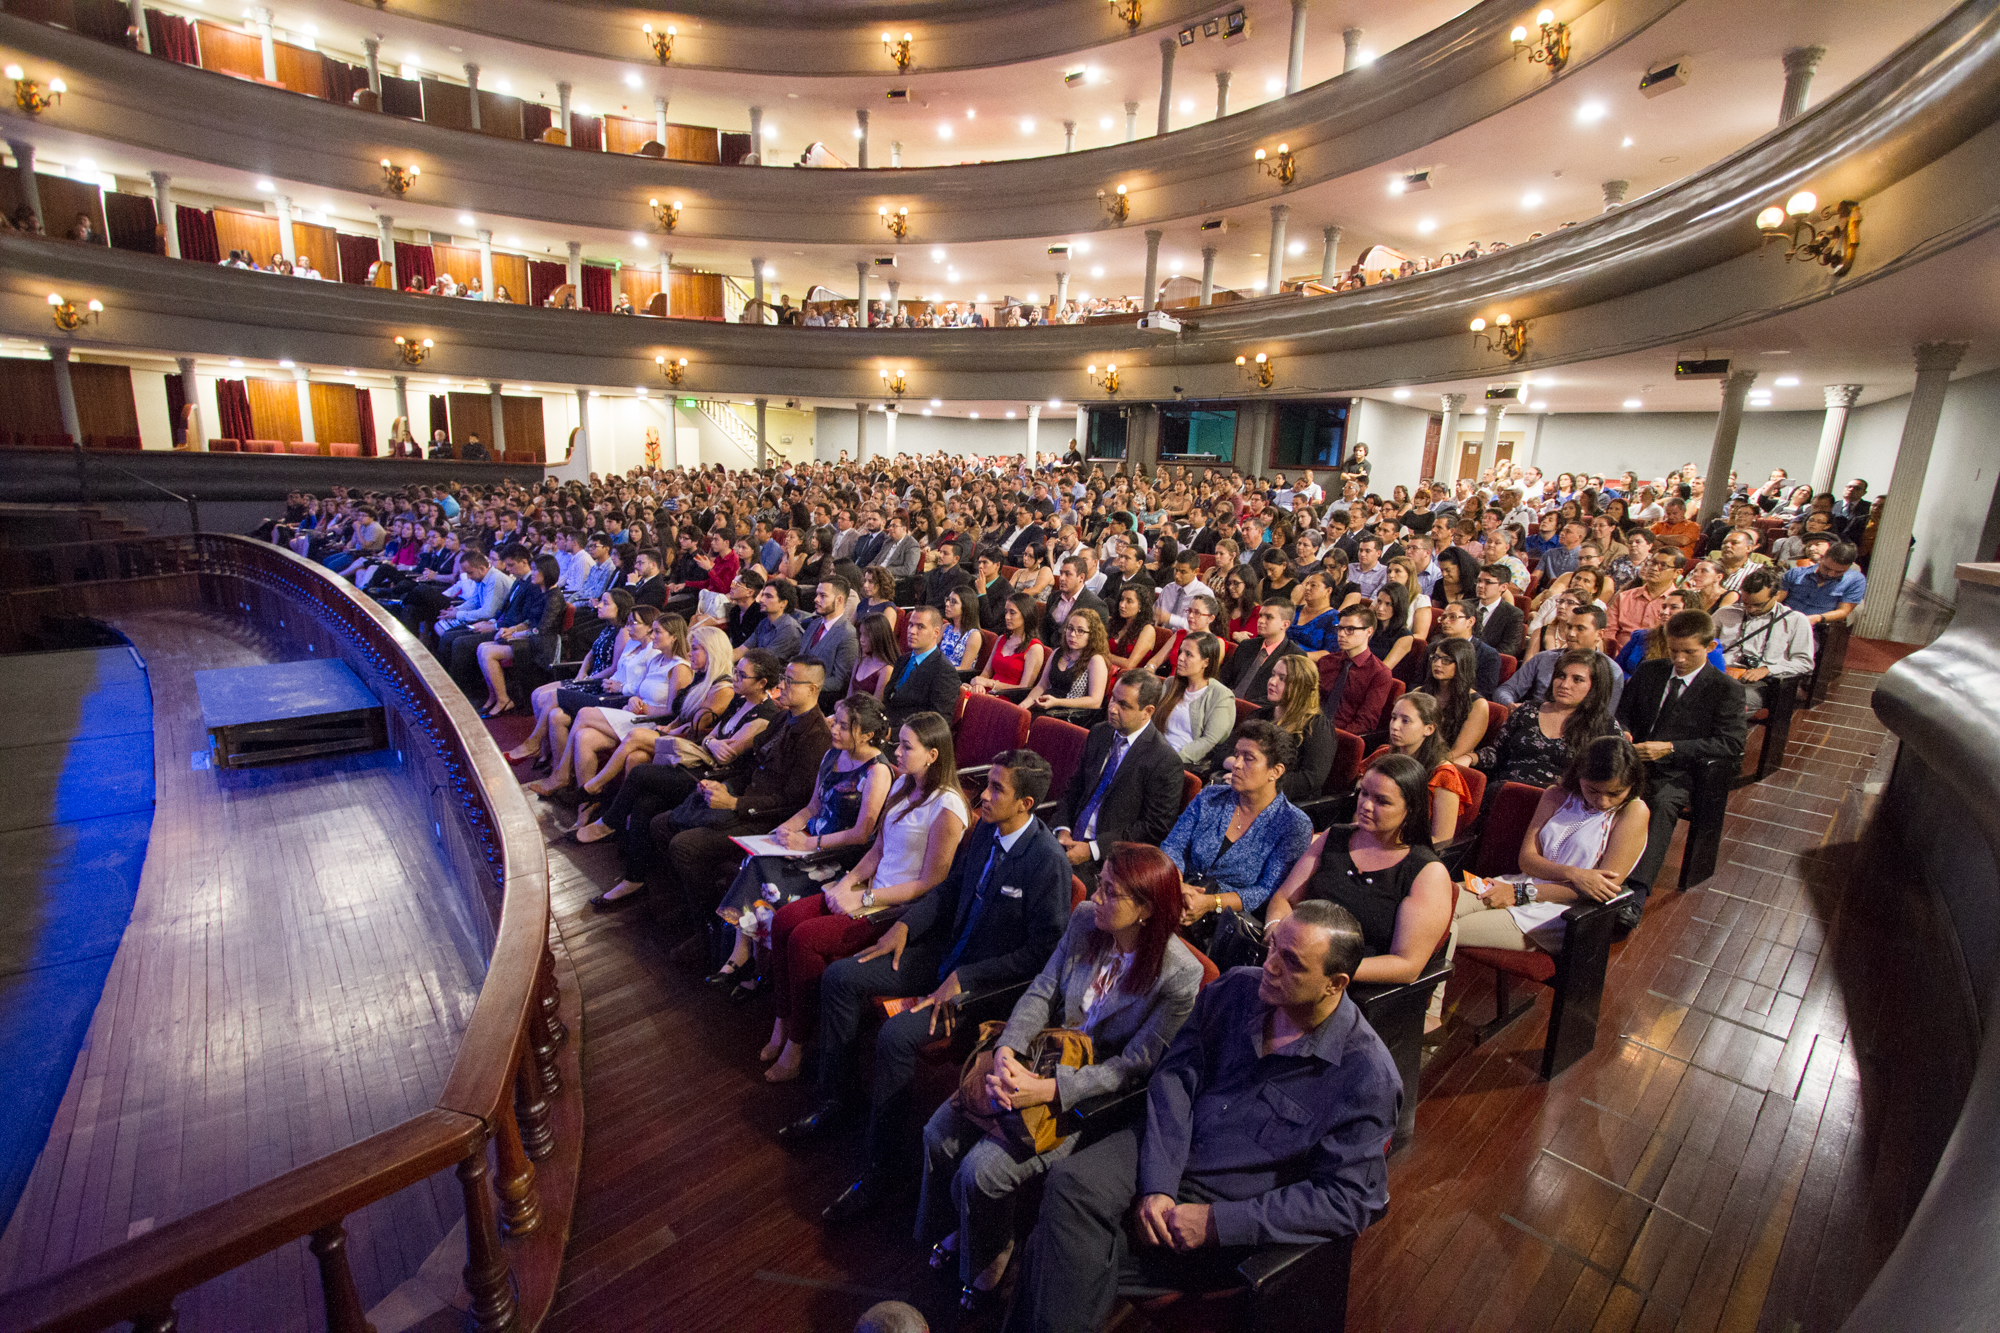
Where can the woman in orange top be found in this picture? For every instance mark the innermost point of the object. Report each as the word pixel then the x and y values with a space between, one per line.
pixel 1413 730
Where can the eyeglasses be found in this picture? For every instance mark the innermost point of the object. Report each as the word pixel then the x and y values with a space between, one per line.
pixel 1351 629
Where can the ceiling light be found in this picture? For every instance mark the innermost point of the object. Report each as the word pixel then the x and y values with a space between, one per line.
pixel 1028 125
pixel 1010 416
pixel 980 297
pixel 1426 227
pixel 1104 124
pixel 969 113
pixel 1097 272
pixel 1538 407
pixel 631 80
pixel 937 254
pixel 287 364
pixel 937 402
pixel 1627 143
pixel 466 220
pixel 236 362
pixel 944 131
pixel 770 274
pixel 1591 112
pixel 1055 402
pixel 505 85
pixel 1296 248
pixel 1080 247
pixel 265 187
pixel 1274 85
pixel 513 240
pixel 1032 298
pixel 1531 200
pixel 641 242
pixel 1093 74
pixel 1787 381
pixel 347 372
pixel 639 389
pixel 973 415
pixel 1633 402
pixel 1395 185
pixel 927 411
pixel 1187 106
pixel 1400 393
pixel 1364 57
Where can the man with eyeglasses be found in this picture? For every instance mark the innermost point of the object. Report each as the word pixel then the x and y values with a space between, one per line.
pixel 1458 620
pixel 1643 607
pixel 1501 624
pixel 1353 683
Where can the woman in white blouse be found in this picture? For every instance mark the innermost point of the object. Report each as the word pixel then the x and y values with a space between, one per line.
pixel 652 686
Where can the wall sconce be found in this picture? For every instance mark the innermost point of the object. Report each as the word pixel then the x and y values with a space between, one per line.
pixel 895 384
pixel 673 370
pixel 1551 46
pixel 1284 166
pixel 1128 10
pixel 898 51
pixel 897 222
pixel 68 318
pixel 412 351
pixel 662 42
pixel 1508 338
pixel 1108 381
pixel 1833 247
pixel 398 180
pixel 668 216
pixel 1117 205
pixel 28 94
pixel 1262 371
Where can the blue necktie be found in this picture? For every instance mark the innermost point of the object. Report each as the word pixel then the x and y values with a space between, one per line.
pixel 964 940
pixel 908 666
pixel 1086 825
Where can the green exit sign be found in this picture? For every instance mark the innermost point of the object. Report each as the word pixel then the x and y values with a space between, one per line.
pixel 687 402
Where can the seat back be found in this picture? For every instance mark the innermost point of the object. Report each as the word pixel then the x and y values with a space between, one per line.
pixel 1508 666
pixel 1397 689
pixel 341 449
pixel 224 446
pixel 1209 971
pixel 1077 892
pixel 1475 791
pixel 988 641
pixel 1415 666
pixel 988 727
pixel 1506 824
pixel 1347 753
pixel 1190 788
pixel 1496 718
pixel 1061 743
pixel 301 447
pixel 1245 710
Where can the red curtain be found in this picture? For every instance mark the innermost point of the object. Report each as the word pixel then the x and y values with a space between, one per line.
pixel 367 410
pixel 172 37
pixel 415 266
pixel 177 401
pixel 197 231
pixel 597 288
pixel 356 254
pixel 586 132
pixel 232 401
pixel 544 277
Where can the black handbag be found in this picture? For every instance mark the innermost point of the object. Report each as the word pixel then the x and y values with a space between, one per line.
pixel 1229 937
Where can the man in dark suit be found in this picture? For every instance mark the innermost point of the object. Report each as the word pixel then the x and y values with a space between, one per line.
pixel 1128 787
pixel 1071 595
pixel 829 638
pixel 1685 717
pixel 946 574
pixel 992 591
pixel 924 680
pixel 1128 569
pixel 994 920
pixel 1248 669
pixel 1501 624
pixel 1025 533
pixel 649 583
pixel 1458 620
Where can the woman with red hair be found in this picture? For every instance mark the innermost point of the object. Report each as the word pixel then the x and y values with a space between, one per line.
pixel 1121 975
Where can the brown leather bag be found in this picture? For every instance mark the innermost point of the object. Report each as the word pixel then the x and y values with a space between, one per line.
pixel 1031 1129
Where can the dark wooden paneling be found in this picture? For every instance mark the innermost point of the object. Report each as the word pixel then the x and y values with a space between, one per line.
pixel 322 244
pixel 461 261
pixel 624 134
pixel 524 429
pixel 511 272
pixel 697 295
pixel 639 284
pixel 336 414
pixel 693 143
pixel 63 199
pixel 447 104
pixel 471 414
pixel 28 403
pixel 230 51
pixel 274 409
pixel 499 115
pixel 256 233
pixel 105 409
pixel 301 70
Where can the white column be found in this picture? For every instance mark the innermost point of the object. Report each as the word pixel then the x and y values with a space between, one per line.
pixel 1034 428
pixel 65 395
pixel 861 267
pixel 472 92
pixel 486 263
pixel 371 47
pixel 861 432
pixel 196 440
pixel 660 120
pixel 1131 121
pixel 757 136
pixel 137 9
pixel 497 446
pixel 1840 398
pixel 861 138
pixel 1151 295
pixel 763 439
pixel 667 284
pixel 889 415
pixel 1069 136
pixel 1221 93
pixel 1448 434
pixel 262 18
pixel 757 286
pixel 895 302
pixel 562 111
pixel 575 271
pixel 402 383
pixel 1062 291
pixel 589 463
pixel 307 433
pixel 1295 66
pixel 1614 193
pixel 1800 62
pixel 895 152
pixel 1350 56
pixel 1275 279
pixel 1898 507
pixel 1083 430
pixel 31 194
pixel 1329 255
pixel 385 240
pixel 287 244
pixel 1166 84
pixel 1722 454
pixel 1489 442
pixel 1208 253
pixel 166 219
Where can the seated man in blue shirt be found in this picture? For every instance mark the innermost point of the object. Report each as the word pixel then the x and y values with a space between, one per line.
pixel 1826 593
pixel 1267 1122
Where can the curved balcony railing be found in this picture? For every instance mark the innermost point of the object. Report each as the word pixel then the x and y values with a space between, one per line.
pixel 1454 76
pixel 504 1073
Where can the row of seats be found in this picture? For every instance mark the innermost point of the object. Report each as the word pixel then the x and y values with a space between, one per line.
pixel 337 449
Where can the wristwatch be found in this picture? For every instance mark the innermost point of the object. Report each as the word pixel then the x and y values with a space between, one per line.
pixel 1525 893
pixel 868 897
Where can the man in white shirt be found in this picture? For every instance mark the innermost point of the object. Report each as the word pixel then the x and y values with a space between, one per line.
pixel 1309 491
pixel 1171 604
pixel 1368 573
pixel 1763 638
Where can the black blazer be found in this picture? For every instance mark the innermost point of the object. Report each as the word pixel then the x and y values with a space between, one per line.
pixel 1114 586
pixel 653 592
pixel 1031 534
pixel 1708 723
pixel 1488 670
pixel 1145 795
pixel 1050 632
pixel 1506 629
pixel 937 585
pixel 931 688
pixel 993 606
pixel 1027 907
pixel 1245 681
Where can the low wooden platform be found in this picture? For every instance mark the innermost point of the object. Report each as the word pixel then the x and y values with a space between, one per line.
pixel 1739 1153
pixel 280 712
pixel 291 981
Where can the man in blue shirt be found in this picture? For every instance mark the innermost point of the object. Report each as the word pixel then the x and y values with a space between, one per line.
pixel 1267 1121
pixel 769 554
pixel 1826 593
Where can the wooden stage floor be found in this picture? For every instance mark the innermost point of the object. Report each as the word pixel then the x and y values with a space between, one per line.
pixel 1716 1163
pixel 290 982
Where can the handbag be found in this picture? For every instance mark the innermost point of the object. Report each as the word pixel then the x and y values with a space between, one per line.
pixel 1032 1129
pixel 1230 938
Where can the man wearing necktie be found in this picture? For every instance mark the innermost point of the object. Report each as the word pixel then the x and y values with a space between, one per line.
pixel 924 680
pixel 1128 787
pixel 993 921
pixel 1687 721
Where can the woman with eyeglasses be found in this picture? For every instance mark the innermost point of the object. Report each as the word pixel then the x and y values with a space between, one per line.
pixel 1453 681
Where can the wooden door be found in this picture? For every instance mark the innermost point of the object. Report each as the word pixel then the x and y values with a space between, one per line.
pixel 1468 457
pixel 1432 433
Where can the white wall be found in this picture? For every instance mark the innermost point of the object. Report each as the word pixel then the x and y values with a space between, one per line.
pixel 149 398
pixel 1958 490
pixel 1394 435
pixel 1655 443
pixel 833 431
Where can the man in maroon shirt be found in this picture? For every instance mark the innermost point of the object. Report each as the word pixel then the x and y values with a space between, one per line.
pixel 1353 683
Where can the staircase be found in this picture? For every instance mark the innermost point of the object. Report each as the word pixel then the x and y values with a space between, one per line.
pixel 49 525
pixel 735 298
pixel 741 433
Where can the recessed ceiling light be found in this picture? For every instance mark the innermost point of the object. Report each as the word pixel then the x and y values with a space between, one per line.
pixel 505 85
pixel 1097 271
pixel 348 372
pixel 1787 381
pixel 631 80
pixel 1627 143
pixel 236 362
pixel 1426 226
pixel 466 220
pixel 1591 112
pixel 1032 298
pixel 1028 125
pixel 770 274
pixel 1364 57
pixel 980 297
pixel 513 240
pixel 1274 85
pixel 1104 124
pixel 1396 185
pixel 287 364
pixel 937 254
pixel 1055 402
pixel 1296 248
pixel 1538 407
pixel 641 242
pixel 944 131
pixel 1531 200
pixel 1010 416
pixel 265 187
pixel 937 402
pixel 639 389
pixel 927 411
pixel 1080 247
pixel 1400 393
pixel 1633 402
pixel 973 415
pixel 970 113
pixel 1187 106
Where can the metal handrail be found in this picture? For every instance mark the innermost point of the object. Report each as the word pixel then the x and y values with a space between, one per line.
pixel 193 505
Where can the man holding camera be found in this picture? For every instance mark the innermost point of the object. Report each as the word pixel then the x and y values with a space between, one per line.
pixel 1762 638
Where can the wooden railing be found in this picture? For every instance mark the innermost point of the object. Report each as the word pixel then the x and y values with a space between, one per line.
pixel 498 1093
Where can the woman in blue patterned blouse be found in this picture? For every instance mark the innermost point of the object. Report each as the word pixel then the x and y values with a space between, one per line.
pixel 1239 838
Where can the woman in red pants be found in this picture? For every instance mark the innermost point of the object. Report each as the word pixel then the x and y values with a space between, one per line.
pixel 921 827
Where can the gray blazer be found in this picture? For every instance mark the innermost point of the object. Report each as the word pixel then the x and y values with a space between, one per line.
pixel 1211 717
pixel 1128 1033
pixel 838 650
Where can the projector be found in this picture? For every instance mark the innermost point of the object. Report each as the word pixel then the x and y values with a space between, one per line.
pixel 1665 78
pixel 1689 368
pixel 1158 321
